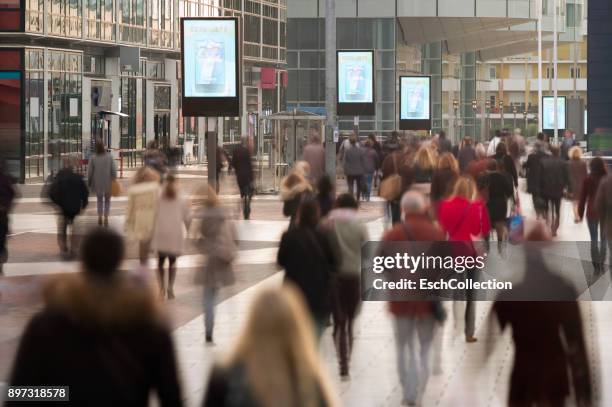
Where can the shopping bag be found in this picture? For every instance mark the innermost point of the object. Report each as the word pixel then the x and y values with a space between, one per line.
pixel 116 189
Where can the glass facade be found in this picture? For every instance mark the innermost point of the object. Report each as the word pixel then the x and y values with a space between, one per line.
pixel 64 18
pixel 34 115
pixel 100 20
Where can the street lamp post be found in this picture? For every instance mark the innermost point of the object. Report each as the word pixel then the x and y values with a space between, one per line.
pixel 475 110
pixel 515 111
pixel 501 111
pixel 455 118
pixel 487 121
pixel 526 122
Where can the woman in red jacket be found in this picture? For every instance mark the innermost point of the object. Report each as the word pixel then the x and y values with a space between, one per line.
pixel 587 199
pixel 464 218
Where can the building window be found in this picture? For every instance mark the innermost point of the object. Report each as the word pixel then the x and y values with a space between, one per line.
pixel 550 72
pixel 574 15
pixel 492 72
pixel 575 73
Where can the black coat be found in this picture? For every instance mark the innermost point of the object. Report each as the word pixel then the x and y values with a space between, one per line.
pixel 555 179
pixel 69 192
pixel 508 166
pixel 241 161
pixel 308 259
pixel 466 155
pixel 533 166
pixel 499 191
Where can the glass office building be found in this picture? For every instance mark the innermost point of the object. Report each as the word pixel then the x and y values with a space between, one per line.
pixel 64 61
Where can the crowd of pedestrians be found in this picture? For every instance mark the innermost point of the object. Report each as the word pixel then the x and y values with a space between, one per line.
pixel 104 325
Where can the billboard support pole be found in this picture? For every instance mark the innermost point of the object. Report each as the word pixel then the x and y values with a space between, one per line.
pixel 211 153
pixel 330 88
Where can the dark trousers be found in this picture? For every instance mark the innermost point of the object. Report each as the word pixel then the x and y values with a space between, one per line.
pixel 598 242
pixel 62 234
pixel 554 208
pixel 4 222
pixel 346 297
pixel 355 183
pixel 246 193
pixel 396 214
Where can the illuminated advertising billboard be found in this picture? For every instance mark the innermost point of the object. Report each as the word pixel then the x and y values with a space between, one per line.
pixel 210 66
pixel 548 113
pixel 415 103
pixel 355 76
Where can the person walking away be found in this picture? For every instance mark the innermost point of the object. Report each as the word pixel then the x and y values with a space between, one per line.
pixel 577 174
pixel 101 171
pixel 293 190
pixel 492 147
pixel 7 196
pixel 443 179
pixel 172 218
pixel 354 167
pixel 69 192
pixel 596 226
pixel 502 156
pixel 568 142
pixel 399 164
pixel 275 361
pixel 553 184
pixel 444 144
pixel 218 243
pixel 414 321
pixel 370 165
pixel 155 159
pixel 553 369
pixel 325 195
pixel 603 207
pixel 499 186
pixel 422 170
pixel 380 156
pixel 306 255
pixel 141 211
pixel 480 164
pixel 464 217
pixel 241 161
pixel 534 175
pixel 391 144
pixel 347 235
pixel 99 326
pixel 314 155
pixel 466 154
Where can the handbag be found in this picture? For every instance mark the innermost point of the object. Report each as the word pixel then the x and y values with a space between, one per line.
pixel 116 189
pixel 516 226
pixel 391 187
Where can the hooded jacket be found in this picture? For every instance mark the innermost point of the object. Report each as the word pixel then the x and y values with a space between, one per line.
pixel 104 338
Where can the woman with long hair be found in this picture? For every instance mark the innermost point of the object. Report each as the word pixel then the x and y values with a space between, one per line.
pixel 275 362
pixel 464 217
pixel 422 170
pixel 577 173
pixel 500 190
pixel 443 178
pixel 101 171
pixel 172 218
pixel 588 192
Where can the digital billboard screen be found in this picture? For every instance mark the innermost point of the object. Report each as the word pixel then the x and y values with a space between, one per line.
pixel 355 76
pixel 210 66
pixel 548 112
pixel 415 103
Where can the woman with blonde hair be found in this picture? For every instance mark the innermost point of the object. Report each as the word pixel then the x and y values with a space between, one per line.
pixel 218 243
pixel 275 362
pixel 464 217
pixel 422 170
pixel 142 209
pixel 294 188
pixel 443 178
pixel 577 173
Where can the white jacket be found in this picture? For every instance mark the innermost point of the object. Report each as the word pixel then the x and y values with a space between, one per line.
pixel 493 146
pixel 173 217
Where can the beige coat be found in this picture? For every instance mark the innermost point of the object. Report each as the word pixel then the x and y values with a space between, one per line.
pixel 173 217
pixel 141 210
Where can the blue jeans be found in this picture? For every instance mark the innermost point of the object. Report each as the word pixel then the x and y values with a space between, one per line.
pixel 369 178
pixel 210 296
pixel 598 241
pixel 103 203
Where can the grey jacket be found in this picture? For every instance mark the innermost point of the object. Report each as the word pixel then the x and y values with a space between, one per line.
pixel 218 243
pixel 100 172
pixel 354 162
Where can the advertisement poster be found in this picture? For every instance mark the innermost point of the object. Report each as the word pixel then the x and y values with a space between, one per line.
pixel 548 112
pixel 415 98
pixel 355 77
pixel 210 57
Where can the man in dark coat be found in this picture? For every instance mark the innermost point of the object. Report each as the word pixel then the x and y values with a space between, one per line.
pixel 7 195
pixel 552 185
pixel 241 161
pixel 69 192
pixel 533 168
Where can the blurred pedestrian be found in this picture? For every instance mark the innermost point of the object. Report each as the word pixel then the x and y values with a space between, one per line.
pixel 379 152
pixel 444 144
pixel 7 196
pixel 101 171
pixel 507 164
pixel 155 159
pixel 355 167
pixel 551 366
pixel 414 321
pixel 422 170
pixel 466 154
pixel 347 234
pixel 100 326
pixel 516 148
pixel 294 188
pixel 443 179
pixel 69 192
pixel 568 142
pixel 492 146
pixel 588 192
pixel 220 162
pixel 172 218
pixel 141 211
pixel 275 361
pixel 499 192
pixel 314 155
pixel 218 243
pixel 396 167
pixel 534 175
pixel 241 161
pixel 577 173
pixel 325 195
pixel 555 181
pixel 306 255
pixel 603 206
pixel 464 217
pixel 480 164
pixel 370 157
pixel 391 144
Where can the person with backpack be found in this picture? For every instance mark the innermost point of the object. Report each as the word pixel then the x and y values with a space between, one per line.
pixel 69 192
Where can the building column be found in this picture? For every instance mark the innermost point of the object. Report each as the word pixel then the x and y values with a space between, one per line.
pixel 431 64
pixel 599 86
pixel 468 94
